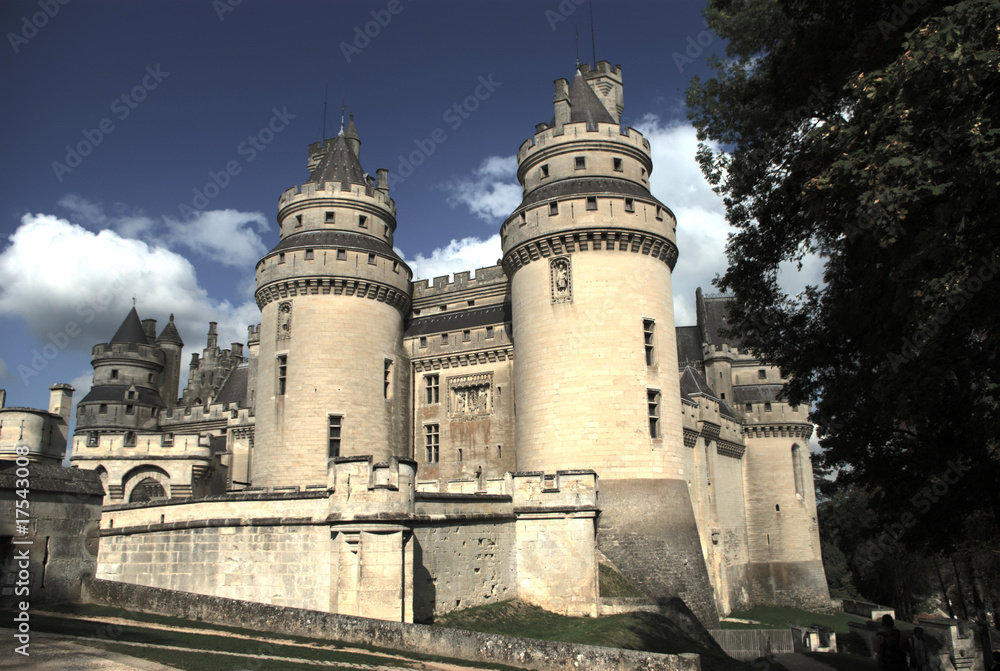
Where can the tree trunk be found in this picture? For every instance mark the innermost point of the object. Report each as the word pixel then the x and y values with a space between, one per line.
pixel 961 594
pixel 944 590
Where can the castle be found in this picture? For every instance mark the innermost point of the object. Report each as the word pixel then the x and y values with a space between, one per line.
pixel 400 449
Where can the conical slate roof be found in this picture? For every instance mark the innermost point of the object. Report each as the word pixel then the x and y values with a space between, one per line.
pixel 585 105
pixel 169 334
pixel 339 164
pixel 131 331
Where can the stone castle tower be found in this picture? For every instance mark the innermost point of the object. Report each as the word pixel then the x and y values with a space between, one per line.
pixel 456 442
pixel 333 296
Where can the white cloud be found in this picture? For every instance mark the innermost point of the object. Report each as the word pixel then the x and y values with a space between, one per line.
pixel 458 255
pixel 228 237
pixel 492 191
pixel 702 229
pixel 73 286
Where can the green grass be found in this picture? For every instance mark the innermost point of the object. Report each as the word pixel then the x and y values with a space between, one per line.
pixel 613 584
pixel 650 632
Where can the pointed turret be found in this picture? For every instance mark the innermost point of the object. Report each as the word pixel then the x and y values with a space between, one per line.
pixel 169 334
pixel 353 141
pixel 170 342
pixel 131 331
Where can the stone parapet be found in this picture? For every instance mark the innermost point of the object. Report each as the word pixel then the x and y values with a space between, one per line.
pixel 360 488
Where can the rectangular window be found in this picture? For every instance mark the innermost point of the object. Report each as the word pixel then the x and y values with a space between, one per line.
pixel 466 335
pixel 130 394
pixel 330 217
pixel 659 213
pixel 333 445
pixel 749 407
pixel 647 334
pixel 310 254
pixel 591 202
pixel 371 258
pixel 103 409
pixel 387 379
pixel 580 162
pixel 618 165
pixel 130 439
pixel 762 374
pixel 281 257
pixel 545 170
pixel 151 378
pixel 553 208
pixel 341 254
pixel 460 454
pixel 767 407
pixel 444 338
pixel 489 332
pixel 653 401
pixel 423 341
pixel 362 221
pixel 168 440
pixel 114 374
pixel 432 442
pixel 129 409
pixel 282 373
pixel 629 205
pixel 433 387
pixel 93 439
pixel 298 221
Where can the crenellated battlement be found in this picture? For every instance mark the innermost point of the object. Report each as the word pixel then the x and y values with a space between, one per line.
pixel 253 335
pixel 361 488
pixel 489 276
pixel 311 191
pixel 128 351
pixel 554 136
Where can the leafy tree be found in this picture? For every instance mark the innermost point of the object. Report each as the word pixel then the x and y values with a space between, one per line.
pixel 864 132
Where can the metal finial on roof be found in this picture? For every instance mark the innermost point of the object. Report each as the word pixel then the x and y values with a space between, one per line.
pixel 342 110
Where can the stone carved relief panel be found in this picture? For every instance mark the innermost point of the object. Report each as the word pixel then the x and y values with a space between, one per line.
pixel 561 279
pixel 284 320
pixel 470 396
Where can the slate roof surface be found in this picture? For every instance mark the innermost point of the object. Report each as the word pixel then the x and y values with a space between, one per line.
pixel 131 331
pixel 169 333
pixel 585 105
pixel 115 393
pixel 455 321
pixel 714 320
pixel 338 239
pixel 688 345
pixel 235 388
pixel 758 393
pixel 692 383
pixel 53 478
pixel 339 164
pixel 592 186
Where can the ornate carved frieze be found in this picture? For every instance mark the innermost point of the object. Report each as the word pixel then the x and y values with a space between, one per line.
pixel 803 431
pixel 610 239
pixel 284 320
pixel 470 396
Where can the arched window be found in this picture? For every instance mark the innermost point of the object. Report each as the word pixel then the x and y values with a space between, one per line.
pixel 797 471
pixel 147 490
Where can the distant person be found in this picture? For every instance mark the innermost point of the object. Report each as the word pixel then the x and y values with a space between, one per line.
pixel 891 647
pixel 919 661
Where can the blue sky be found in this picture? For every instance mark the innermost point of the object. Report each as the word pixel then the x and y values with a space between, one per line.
pixel 117 115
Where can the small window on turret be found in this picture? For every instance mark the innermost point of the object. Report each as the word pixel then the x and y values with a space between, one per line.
pixel 762 373
pixel 129 409
pixel 489 332
pixel 298 221
pixel 749 407
pixel 330 217
pixel 767 407
pixel 362 221
pixel 659 213
pixel 629 205
pixel 423 341
pixel 281 257
pixel 114 374
pixel 341 254
pixel 553 208
pixel 371 258
pixel 310 255
pixel 93 439
pixel 168 440
pixel 151 378
pixel 591 202
pixel 103 409
pixel 580 162
pixel 545 171
pixel 130 439
pixel 618 165
pixel 644 174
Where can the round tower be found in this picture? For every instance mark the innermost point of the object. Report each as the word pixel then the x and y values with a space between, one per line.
pixel 590 253
pixel 332 380
pixel 128 375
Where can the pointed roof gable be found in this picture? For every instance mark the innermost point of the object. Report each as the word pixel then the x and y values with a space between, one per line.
pixel 131 331
pixel 169 334
pixel 339 164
